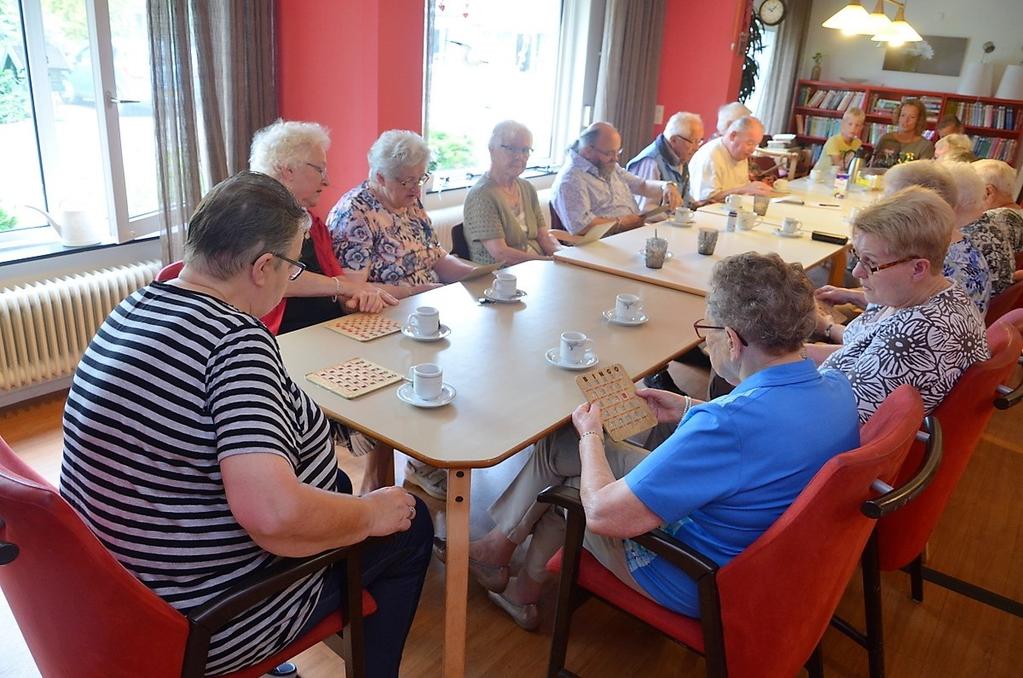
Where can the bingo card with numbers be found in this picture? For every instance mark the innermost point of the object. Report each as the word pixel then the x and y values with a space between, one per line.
pixel 354 377
pixel 365 326
pixel 623 413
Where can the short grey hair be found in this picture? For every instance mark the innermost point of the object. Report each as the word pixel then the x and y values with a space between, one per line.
pixel 729 113
pixel 996 173
pixel 682 124
pixel 955 142
pixel 396 149
pixel 505 131
pixel 767 301
pixel 915 221
pixel 969 187
pixel 284 143
pixel 744 125
pixel 926 173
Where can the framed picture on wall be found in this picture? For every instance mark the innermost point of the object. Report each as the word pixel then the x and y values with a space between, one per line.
pixel 934 55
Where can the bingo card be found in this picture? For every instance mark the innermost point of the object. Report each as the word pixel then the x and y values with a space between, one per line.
pixel 623 413
pixel 365 326
pixel 354 377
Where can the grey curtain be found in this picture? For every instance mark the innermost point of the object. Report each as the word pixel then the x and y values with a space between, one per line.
pixel 629 65
pixel 214 85
pixel 779 88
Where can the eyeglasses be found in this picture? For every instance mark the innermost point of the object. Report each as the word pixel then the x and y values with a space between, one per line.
pixel 617 153
pixel 700 325
pixel 419 182
pixel 322 170
pixel 697 142
pixel 874 268
pixel 296 266
pixel 517 150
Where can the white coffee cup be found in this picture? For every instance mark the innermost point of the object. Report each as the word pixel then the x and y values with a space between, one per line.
pixel 425 321
pixel 505 284
pixel 628 307
pixel 747 220
pixel 427 380
pixel 574 347
pixel 682 215
pixel 734 201
pixel 781 185
pixel 817 176
pixel 790 225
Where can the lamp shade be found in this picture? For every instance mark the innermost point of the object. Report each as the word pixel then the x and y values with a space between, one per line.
pixel 1011 86
pixel 977 80
pixel 849 19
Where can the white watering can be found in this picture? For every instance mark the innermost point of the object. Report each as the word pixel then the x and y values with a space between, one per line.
pixel 74 227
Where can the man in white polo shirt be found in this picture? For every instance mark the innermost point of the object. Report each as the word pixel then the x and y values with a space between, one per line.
pixel 721 166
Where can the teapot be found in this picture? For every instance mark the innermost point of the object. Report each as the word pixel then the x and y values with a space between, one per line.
pixel 74 227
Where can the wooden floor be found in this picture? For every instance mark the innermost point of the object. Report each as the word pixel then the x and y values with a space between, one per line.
pixel 980 539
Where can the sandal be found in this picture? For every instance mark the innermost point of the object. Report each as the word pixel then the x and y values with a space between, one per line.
pixel 494 578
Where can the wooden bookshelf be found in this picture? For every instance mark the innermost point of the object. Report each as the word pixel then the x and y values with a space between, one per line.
pixel 995 125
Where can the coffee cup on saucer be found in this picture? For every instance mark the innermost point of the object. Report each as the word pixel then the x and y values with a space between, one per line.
pixel 628 307
pixel 427 380
pixel 425 321
pixel 734 201
pixel 574 347
pixel 505 285
pixel 791 226
pixel 682 215
pixel 747 220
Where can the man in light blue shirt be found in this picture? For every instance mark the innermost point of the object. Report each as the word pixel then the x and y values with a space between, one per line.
pixel 591 188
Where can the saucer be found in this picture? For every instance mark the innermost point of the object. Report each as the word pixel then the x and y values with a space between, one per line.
pixel 410 333
pixel 609 315
pixel 681 223
pixel 797 234
pixel 554 358
pixel 407 394
pixel 667 255
pixel 491 296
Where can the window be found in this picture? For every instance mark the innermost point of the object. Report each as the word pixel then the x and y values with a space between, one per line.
pixel 765 59
pixel 76 119
pixel 487 62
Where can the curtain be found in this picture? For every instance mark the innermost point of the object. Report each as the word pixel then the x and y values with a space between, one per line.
pixel 214 85
pixel 779 87
pixel 629 64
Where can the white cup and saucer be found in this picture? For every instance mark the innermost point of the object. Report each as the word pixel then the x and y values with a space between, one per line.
pixel 575 352
pixel 790 228
pixel 424 325
pixel 504 289
pixel 733 201
pixel 628 311
pixel 425 387
pixel 747 220
pixel 683 216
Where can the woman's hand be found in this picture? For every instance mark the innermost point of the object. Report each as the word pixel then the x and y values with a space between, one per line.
pixel 367 298
pixel 840 295
pixel 586 418
pixel 668 407
pixel 391 510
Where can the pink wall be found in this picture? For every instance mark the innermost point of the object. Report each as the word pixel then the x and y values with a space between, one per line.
pixel 700 67
pixel 356 67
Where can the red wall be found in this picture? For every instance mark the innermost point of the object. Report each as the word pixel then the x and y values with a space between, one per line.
pixel 356 67
pixel 700 64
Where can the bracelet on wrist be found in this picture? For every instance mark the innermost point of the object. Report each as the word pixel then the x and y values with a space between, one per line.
pixel 337 288
pixel 827 331
pixel 689 403
pixel 589 433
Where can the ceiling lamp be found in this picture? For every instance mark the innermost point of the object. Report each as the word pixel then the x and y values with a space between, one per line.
pixel 854 20
pixel 849 19
pixel 898 31
pixel 877 21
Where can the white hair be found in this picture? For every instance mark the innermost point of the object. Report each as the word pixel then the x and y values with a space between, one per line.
pixel 682 124
pixel 926 173
pixel 285 142
pixel 744 124
pixel 505 131
pixel 969 187
pixel 955 142
pixel 394 150
pixel 996 173
pixel 729 113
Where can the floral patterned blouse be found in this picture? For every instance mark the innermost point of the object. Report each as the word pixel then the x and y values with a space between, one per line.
pixel 398 248
pixel 993 242
pixel 965 264
pixel 926 346
pixel 1010 221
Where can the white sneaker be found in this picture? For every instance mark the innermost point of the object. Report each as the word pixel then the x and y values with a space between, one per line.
pixel 433 481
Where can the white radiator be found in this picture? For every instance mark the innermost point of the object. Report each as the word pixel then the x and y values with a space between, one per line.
pixel 45 326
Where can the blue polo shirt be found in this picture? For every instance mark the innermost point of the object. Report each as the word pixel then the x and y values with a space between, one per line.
pixel 734 465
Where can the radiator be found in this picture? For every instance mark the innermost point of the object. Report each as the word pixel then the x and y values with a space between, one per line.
pixel 45 326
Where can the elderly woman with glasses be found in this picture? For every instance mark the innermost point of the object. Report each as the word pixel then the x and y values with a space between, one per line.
pixel 380 231
pixel 717 478
pixel 503 219
pixel 295 154
pixel 197 460
pixel 919 327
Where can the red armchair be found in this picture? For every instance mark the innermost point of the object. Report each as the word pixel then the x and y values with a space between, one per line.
pixel 747 627
pixel 83 614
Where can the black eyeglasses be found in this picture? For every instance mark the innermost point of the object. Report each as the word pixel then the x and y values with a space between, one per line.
pixel 517 150
pixel 700 325
pixel 296 266
pixel 696 142
pixel 874 268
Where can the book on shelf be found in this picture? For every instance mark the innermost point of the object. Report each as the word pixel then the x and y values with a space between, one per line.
pixel 873 132
pixel 815 126
pixel 976 114
pixel 831 99
pixel 995 147
pixel 885 104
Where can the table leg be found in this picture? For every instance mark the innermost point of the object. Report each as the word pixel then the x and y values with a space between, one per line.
pixel 456 584
pixel 839 260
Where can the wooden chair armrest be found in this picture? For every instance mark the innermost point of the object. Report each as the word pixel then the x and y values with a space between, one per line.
pixel 908 491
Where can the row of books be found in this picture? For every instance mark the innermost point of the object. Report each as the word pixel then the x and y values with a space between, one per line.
pixel 886 105
pixel 984 115
pixel 831 99
pixel 815 126
pixel 995 147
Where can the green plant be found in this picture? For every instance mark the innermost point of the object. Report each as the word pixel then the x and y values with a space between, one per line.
pixel 7 221
pixel 817 58
pixel 750 68
pixel 14 105
pixel 450 151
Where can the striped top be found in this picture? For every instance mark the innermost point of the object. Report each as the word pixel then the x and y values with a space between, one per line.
pixel 174 382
